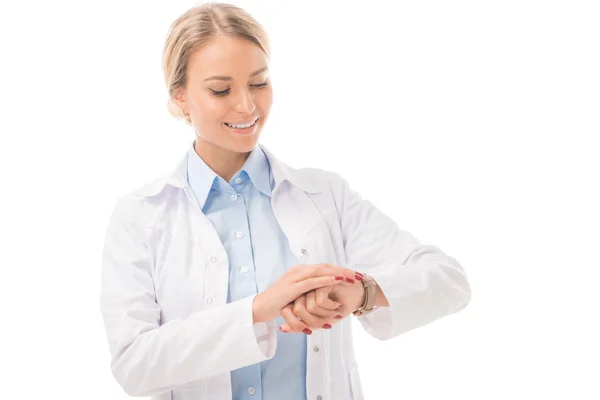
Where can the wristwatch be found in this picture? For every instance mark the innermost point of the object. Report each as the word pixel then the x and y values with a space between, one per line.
pixel 370 292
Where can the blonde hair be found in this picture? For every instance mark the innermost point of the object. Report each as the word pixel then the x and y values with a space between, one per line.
pixel 195 27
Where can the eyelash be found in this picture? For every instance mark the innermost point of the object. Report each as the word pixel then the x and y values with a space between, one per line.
pixel 224 92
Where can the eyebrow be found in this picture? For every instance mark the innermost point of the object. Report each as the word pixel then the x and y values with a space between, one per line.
pixel 228 78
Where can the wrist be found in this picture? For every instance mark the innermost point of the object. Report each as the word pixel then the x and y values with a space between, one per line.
pixel 363 296
pixel 256 309
pixel 380 299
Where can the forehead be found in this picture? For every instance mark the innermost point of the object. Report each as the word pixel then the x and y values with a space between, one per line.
pixel 226 56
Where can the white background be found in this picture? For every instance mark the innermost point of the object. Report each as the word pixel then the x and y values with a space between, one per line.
pixel 473 124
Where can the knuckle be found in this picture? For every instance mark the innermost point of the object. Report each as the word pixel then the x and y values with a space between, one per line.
pixel 297 325
pixel 296 308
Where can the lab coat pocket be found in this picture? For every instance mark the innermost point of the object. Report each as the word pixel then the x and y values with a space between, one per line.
pixel 339 385
pixel 190 393
pixel 354 377
pixel 319 244
pixel 179 276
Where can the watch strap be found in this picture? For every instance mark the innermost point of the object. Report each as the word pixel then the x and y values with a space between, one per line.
pixel 370 292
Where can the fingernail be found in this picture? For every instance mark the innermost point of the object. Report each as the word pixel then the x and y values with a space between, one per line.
pixel 339 278
pixel 359 277
pixel 306 331
pixel 350 280
pixel 339 317
pixel 281 329
pixel 327 326
pixel 358 273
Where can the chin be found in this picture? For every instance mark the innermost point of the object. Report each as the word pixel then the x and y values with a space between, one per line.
pixel 245 147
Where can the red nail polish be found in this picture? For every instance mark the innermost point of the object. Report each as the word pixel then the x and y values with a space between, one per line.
pixel 358 273
pixel 359 277
pixel 306 331
pixel 327 326
pixel 350 280
pixel 339 278
pixel 339 317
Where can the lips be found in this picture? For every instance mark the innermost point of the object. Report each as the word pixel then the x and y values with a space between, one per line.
pixel 242 125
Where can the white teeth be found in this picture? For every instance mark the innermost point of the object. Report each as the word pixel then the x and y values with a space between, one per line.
pixel 248 125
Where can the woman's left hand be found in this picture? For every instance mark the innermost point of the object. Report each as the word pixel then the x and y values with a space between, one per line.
pixel 322 308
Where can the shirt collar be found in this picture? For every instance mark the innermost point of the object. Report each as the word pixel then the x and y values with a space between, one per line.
pixel 202 178
pixel 258 169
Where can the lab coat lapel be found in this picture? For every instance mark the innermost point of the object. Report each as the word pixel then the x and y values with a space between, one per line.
pixel 295 211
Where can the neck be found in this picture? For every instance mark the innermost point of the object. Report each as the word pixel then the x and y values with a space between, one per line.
pixel 223 162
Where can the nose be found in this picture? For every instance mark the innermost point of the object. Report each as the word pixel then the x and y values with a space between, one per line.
pixel 245 102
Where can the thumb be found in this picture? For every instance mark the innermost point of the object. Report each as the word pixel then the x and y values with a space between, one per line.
pixel 323 298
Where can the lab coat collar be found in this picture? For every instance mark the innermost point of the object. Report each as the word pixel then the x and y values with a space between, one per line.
pixel 281 172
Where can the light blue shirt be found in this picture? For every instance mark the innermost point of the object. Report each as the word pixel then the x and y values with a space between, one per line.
pixel 259 253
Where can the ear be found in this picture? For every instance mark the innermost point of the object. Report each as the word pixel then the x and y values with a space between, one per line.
pixel 179 98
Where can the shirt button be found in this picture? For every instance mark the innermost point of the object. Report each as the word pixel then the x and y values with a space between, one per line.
pixel 238 180
pixel 244 269
pixel 233 197
pixel 316 349
pixel 239 234
pixel 213 260
pixel 319 398
pixel 304 251
pixel 251 391
pixel 209 301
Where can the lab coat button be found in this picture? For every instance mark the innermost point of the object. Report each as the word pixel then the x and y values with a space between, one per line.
pixel 209 301
pixel 244 269
pixel 213 260
pixel 233 197
pixel 251 391
pixel 239 234
pixel 319 398
pixel 316 349
pixel 304 251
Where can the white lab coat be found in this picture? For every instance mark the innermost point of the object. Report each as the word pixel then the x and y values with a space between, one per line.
pixel 172 334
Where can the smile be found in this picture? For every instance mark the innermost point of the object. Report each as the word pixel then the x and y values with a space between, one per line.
pixel 242 126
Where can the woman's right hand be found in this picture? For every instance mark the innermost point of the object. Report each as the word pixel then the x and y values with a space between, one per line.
pixel 292 284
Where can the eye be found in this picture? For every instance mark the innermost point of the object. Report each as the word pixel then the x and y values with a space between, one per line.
pixel 226 91
pixel 220 93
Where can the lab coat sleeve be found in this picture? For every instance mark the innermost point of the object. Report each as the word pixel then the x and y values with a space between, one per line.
pixel 149 358
pixel 420 282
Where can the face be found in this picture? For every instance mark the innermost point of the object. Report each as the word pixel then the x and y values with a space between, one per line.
pixel 228 93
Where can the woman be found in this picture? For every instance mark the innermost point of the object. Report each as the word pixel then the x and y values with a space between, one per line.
pixel 234 275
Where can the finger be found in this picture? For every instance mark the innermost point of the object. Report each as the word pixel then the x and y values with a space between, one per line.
pixel 293 324
pixel 351 275
pixel 322 299
pixel 319 270
pixel 312 321
pixel 314 309
pixel 314 283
